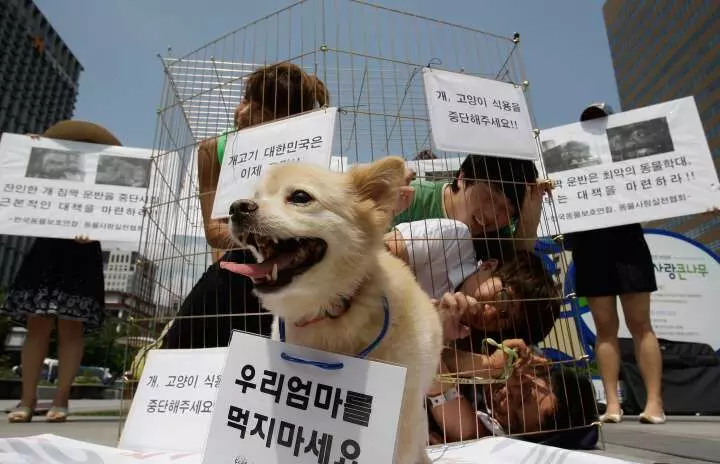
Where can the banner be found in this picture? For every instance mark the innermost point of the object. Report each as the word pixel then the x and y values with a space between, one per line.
pixel 642 165
pixel 173 404
pixel 53 449
pixel 684 308
pixel 61 189
pixel 273 411
pixel 470 114
pixel 305 138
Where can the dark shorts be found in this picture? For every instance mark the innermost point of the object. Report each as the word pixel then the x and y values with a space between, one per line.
pixel 612 261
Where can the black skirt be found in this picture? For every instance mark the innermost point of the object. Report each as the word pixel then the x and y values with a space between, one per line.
pixel 59 278
pixel 220 302
pixel 612 261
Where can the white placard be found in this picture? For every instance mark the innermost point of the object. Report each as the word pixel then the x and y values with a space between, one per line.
pixel 61 189
pixel 642 165
pixel 53 449
pixel 173 404
pixel 470 114
pixel 363 425
pixel 685 306
pixel 305 138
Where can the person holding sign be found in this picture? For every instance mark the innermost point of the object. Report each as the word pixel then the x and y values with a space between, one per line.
pixel 222 301
pixel 59 280
pixel 495 197
pixel 611 263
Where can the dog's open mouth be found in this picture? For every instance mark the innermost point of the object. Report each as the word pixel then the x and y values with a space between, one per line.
pixel 282 260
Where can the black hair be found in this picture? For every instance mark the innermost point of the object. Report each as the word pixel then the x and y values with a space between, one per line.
pixel 525 273
pixel 576 409
pixel 507 175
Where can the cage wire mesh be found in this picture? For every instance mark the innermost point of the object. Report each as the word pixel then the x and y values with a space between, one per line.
pixel 370 58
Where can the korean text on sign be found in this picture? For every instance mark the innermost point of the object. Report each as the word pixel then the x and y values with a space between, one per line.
pixel 266 404
pixel 469 114
pixel 249 153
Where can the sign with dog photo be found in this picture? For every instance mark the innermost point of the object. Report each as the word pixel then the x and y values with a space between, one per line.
pixel 271 410
pixel 62 189
pixel 641 165
pixel 248 153
pixel 470 114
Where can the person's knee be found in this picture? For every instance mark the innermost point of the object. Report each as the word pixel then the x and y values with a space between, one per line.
pixel 39 327
pixel 70 330
pixel 638 326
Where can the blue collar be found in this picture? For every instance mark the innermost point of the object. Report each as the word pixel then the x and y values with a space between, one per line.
pixel 335 366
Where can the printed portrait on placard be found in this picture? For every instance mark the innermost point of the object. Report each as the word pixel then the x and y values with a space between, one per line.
pixel 572 154
pixel 123 171
pixel 51 163
pixel 640 139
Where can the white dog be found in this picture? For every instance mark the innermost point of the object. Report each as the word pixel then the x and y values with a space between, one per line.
pixel 324 270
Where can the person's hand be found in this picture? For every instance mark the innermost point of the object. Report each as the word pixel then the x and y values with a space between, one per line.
pixel 452 307
pixel 525 355
pixel 82 239
pixel 409 175
pixel 405 198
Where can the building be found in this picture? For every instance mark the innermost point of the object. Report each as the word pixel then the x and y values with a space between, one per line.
pixel 663 50
pixel 38 87
pixel 128 272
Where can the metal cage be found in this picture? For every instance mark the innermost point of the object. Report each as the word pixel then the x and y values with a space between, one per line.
pixel 370 58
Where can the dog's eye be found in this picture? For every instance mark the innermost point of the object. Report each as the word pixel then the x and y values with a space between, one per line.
pixel 300 197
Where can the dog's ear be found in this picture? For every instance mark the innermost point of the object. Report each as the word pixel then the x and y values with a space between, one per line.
pixel 379 181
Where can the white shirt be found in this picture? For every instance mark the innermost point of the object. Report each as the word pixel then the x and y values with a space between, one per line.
pixel 440 253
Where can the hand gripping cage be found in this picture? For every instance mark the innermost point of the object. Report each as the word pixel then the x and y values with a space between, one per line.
pixel 371 58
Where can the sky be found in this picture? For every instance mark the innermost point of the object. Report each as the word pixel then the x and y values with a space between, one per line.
pixel 563 44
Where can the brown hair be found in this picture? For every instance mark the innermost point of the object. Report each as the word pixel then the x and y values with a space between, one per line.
pixel 277 91
pixel 525 274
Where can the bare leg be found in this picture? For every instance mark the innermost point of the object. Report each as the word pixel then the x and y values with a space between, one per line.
pixel 33 354
pixel 636 307
pixel 604 312
pixel 70 353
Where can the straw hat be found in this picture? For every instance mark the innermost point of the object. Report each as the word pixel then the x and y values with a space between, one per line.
pixel 595 111
pixel 81 131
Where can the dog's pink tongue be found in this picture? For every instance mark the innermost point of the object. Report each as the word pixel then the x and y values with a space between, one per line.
pixel 257 270
pixel 250 270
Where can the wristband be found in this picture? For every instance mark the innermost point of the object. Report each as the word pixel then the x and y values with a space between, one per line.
pixel 442 398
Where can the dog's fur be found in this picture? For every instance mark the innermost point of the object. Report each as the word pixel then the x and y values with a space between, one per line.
pixel 351 212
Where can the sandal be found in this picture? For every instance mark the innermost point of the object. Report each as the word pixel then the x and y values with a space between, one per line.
pixel 57 414
pixel 21 414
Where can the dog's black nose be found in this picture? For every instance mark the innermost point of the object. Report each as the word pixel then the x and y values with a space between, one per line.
pixel 242 207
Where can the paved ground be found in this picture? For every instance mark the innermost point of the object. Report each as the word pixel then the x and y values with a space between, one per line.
pixel 683 440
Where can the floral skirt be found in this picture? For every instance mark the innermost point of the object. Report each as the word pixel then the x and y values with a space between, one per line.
pixel 60 279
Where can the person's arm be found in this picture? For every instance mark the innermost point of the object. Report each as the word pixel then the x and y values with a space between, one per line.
pixel 456 417
pixel 530 214
pixel 216 230
pixel 395 244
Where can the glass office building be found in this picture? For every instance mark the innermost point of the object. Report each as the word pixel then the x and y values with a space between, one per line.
pixel 38 87
pixel 663 50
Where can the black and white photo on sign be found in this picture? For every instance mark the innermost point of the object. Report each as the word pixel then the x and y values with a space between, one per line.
pixel 123 171
pixel 571 154
pixel 52 163
pixel 648 164
pixel 639 139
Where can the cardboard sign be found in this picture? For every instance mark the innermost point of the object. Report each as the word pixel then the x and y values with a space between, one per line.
pixel 304 138
pixel 273 411
pixel 641 165
pixel 62 189
pixel 470 114
pixel 174 400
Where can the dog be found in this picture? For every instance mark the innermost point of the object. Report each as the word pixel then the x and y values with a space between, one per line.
pixel 324 270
